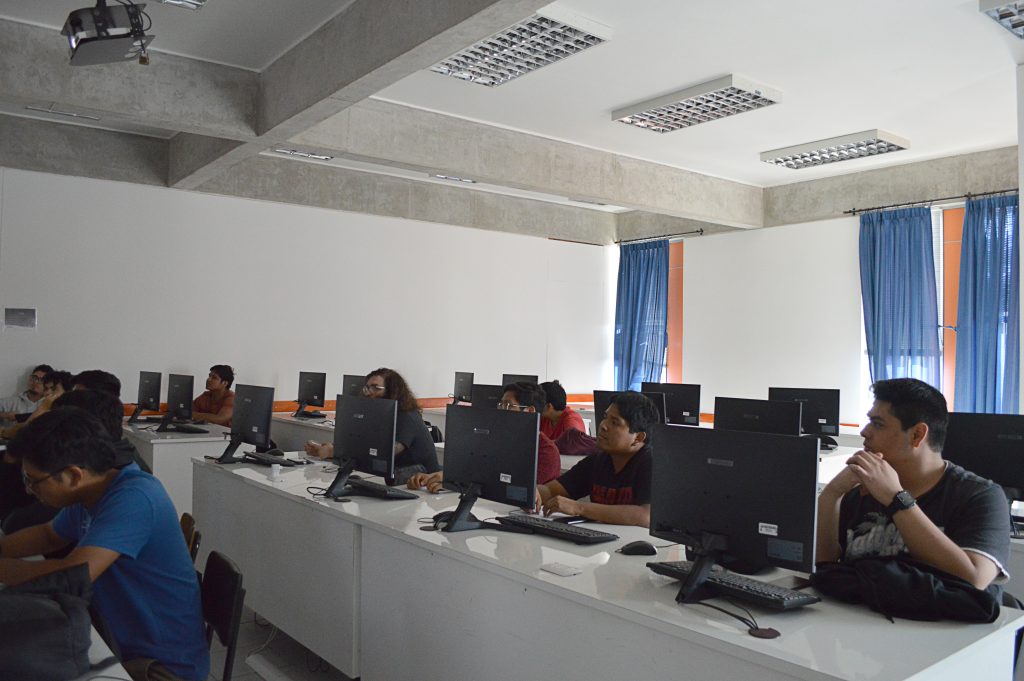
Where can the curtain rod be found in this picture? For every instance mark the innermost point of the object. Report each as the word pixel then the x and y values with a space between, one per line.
pixel 968 195
pixel 698 232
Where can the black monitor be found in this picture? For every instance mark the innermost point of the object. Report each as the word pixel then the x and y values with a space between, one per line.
pixel 149 394
pixel 250 421
pixel 352 385
pixel 603 399
pixel 364 440
pixel 518 378
pixel 820 409
pixel 989 445
pixel 682 402
pixel 312 387
pixel 487 396
pixel 488 453
pixel 179 403
pixel 658 398
pixel 463 386
pixel 745 501
pixel 757 416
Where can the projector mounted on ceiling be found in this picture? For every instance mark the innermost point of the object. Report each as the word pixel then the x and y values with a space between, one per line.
pixel 104 35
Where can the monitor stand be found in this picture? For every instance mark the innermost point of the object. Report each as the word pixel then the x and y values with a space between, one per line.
pixel 301 413
pixel 229 452
pixel 461 519
pixel 707 555
pixel 827 443
pixel 339 487
pixel 135 414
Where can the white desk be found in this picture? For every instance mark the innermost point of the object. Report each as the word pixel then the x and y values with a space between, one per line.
pixel 170 456
pixel 291 434
pixel 393 602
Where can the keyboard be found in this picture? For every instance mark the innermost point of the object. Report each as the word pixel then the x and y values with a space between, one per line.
pixel 265 459
pixel 573 533
pixel 366 488
pixel 729 584
pixel 185 428
pixel 310 415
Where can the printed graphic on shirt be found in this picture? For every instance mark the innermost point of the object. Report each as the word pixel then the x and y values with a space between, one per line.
pixel 612 496
pixel 876 535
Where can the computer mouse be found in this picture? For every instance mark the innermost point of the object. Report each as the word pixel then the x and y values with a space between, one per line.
pixel 275 452
pixel 638 548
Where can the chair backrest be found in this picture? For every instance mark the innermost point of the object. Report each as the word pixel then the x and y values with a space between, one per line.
pixel 193 548
pixel 223 597
pixel 192 536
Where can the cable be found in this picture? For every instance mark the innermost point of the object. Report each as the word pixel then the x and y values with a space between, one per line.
pixel 261 648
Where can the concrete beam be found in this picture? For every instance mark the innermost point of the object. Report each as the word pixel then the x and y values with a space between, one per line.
pixel 29 144
pixel 981 171
pixel 195 159
pixel 642 225
pixel 173 93
pixel 402 136
pixel 341 189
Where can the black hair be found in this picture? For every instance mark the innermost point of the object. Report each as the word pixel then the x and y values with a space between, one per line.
pixel 45 368
pixel 527 394
pixel 224 373
pixel 637 410
pixel 912 402
pixel 62 378
pixel 64 437
pixel 104 406
pixel 97 379
pixel 395 388
pixel 555 393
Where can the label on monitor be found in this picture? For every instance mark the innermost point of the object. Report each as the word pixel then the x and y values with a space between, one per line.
pixel 255 429
pixel 686 413
pixel 822 420
pixel 373 451
pixel 518 493
pixel 504 477
pixel 830 430
pixel 781 549
pixel 768 529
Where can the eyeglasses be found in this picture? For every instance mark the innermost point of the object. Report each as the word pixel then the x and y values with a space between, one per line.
pixel 32 483
pixel 368 389
pixel 36 379
pixel 511 406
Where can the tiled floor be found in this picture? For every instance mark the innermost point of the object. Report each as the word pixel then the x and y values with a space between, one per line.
pixel 290 660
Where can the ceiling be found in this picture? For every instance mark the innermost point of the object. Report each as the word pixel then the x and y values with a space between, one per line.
pixel 935 72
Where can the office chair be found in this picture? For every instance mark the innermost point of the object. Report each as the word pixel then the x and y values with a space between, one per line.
pixel 193 537
pixel 223 596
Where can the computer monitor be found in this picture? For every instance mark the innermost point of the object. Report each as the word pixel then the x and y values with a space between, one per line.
pixel 658 398
pixel 312 386
pixel 352 385
pixel 989 445
pixel 179 404
pixel 149 394
pixel 819 410
pixel 364 440
pixel 745 501
pixel 518 378
pixel 682 402
pixel 250 421
pixel 486 396
pixel 490 454
pixel 603 399
pixel 463 386
pixel 758 416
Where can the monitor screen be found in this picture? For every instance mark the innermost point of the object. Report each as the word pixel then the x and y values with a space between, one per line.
pixel 682 402
pixel 149 390
pixel 179 396
pixel 758 416
pixel 491 453
pixel 352 385
pixel 486 396
pixel 989 445
pixel 250 422
pixel 820 408
pixel 518 378
pixel 312 386
pixel 463 386
pixel 364 433
pixel 746 501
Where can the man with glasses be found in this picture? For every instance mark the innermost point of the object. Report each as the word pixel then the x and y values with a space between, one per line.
pixel 25 402
pixel 127 533
pixel 524 397
pixel 217 404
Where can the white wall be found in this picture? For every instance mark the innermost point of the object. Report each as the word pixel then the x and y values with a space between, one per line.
pixel 127 278
pixel 778 306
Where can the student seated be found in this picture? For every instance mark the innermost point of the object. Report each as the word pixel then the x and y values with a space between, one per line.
pixel 618 477
pixel 97 379
pixel 144 584
pixel 25 402
pixel 527 397
pixel 217 404
pixel 414 448
pixel 55 384
pixel 557 416
pixel 897 496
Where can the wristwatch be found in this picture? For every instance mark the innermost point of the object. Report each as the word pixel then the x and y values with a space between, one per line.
pixel 901 502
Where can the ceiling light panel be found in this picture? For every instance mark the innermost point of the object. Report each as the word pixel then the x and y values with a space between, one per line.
pixel 516 51
pixel 187 4
pixel 1010 15
pixel 699 104
pixel 845 148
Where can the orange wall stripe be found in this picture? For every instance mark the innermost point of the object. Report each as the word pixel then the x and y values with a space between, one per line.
pixel 952 235
pixel 674 352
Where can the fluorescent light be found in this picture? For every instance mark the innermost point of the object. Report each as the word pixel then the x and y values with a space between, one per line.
pixel 303 154
pixel 187 4
pixel 516 51
pixel 698 104
pixel 1010 15
pixel 845 148
pixel 57 112
pixel 453 178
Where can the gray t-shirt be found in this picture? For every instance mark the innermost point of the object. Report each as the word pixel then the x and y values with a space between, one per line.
pixel 18 404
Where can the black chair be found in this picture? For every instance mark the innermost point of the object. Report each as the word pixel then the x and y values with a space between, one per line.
pixel 223 596
pixel 193 537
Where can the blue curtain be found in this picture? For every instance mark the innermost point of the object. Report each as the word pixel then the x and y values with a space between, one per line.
pixel 641 314
pixel 988 309
pixel 897 280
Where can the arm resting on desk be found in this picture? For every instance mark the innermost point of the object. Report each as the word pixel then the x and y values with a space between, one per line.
pixel 554 498
pixel 42 539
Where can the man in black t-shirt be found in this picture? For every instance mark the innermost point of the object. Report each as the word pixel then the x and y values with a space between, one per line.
pixel 898 495
pixel 618 478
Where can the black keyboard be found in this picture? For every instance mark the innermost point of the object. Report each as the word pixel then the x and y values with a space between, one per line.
pixel 265 459
pixel 366 488
pixel 185 428
pixel 573 533
pixel 729 584
pixel 310 415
